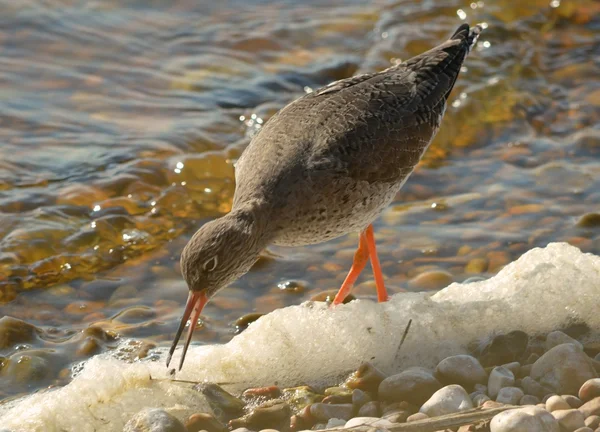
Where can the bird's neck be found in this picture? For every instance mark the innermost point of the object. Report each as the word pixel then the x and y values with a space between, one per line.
pixel 252 218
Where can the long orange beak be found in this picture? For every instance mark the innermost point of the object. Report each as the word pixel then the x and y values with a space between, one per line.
pixel 195 303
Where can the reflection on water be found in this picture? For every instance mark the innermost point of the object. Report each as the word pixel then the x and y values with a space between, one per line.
pixel 120 125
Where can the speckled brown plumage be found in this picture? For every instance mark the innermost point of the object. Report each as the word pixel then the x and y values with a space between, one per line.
pixel 325 165
pixel 331 161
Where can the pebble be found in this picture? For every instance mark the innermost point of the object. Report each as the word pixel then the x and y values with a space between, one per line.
pixel 529 400
pixel 204 421
pixel 359 398
pixel 300 397
pixel 270 392
pixel 555 403
pixel 15 331
pixel 324 412
pixel 431 280
pixel 564 368
pixel 367 377
pixel 591 407
pixel 479 398
pixel 334 422
pixel 590 389
pixel 514 367
pixel 464 370
pixel 223 404
pixel 573 401
pixel 592 421
pixel 447 400
pixel 569 419
pixel 526 419
pixel 558 338
pixel 532 387
pixel 370 409
pixel 413 385
pixel 499 377
pixel 271 414
pixel 510 395
pixel 154 420
pixel 368 421
pixel 584 429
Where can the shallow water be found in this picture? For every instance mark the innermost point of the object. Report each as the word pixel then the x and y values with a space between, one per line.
pixel 121 124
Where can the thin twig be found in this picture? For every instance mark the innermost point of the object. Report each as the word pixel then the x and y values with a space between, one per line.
pixel 434 424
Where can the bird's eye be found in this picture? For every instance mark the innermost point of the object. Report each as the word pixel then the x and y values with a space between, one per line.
pixel 211 264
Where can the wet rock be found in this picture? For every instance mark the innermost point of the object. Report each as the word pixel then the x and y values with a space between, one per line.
pixel 527 419
pixel 556 402
pixel 292 287
pixel 359 398
pixel 499 377
pixel 447 400
pixel 413 385
pixel 24 367
pixel 416 417
pixel 591 407
pixel 370 409
pixel 564 369
pixel 272 414
pixel 15 331
pixel 510 395
pixel 204 421
pixel 589 220
pixel 590 389
pixel 573 401
pixel 337 395
pixel 300 397
pixel 529 400
pixel 243 322
pixel 570 419
pixel 223 404
pixel 88 347
pixel 324 412
pixel 261 393
pixel 368 421
pixel 592 421
pixel 431 280
pixel 464 370
pixel 504 348
pixel 532 387
pixel 367 377
pixel 558 338
pixel 154 420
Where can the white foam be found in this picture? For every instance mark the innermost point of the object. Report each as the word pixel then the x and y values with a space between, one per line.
pixel 545 289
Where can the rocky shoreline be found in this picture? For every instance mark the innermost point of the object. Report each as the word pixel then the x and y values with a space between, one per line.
pixel 512 383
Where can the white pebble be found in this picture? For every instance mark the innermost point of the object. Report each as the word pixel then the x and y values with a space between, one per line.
pixel 527 419
pixel 447 400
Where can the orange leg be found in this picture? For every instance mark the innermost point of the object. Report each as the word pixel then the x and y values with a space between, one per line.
pixel 381 291
pixel 361 256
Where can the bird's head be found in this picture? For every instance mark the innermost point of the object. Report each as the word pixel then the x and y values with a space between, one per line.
pixel 217 254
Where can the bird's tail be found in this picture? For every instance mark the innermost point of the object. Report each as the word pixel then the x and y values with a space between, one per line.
pixel 438 68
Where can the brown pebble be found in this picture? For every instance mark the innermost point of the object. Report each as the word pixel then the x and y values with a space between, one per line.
pixel 14 331
pixel 271 392
pixel 370 409
pixel 592 421
pixel 204 421
pixel 272 414
pixel 431 280
pixel 590 389
pixel 416 417
pixel 243 322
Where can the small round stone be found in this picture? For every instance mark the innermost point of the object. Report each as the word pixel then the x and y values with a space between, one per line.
pixel 569 419
pixel 573 401
pixel 510 395
pixel 590 389
pixel 464 370
pixel 154 420
pixel 368 421
pixel 526 419
pixel 555 403
pixel 416 417
pixel 447 400
pixel 413 385
pixel 370 409
pixel 593 421
pixel 529 400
